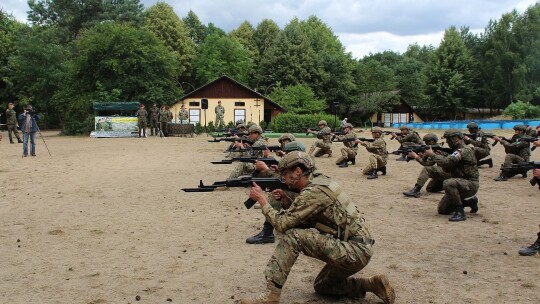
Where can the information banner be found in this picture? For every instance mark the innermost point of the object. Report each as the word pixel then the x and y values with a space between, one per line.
pixel 115 126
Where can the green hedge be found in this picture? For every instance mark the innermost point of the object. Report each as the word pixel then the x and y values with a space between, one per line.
pixel 299 123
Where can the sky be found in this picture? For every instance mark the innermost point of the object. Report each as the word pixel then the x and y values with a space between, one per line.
pixel 363 26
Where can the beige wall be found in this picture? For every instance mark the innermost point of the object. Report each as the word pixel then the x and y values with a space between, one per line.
pixel 416 118
pixel 251 110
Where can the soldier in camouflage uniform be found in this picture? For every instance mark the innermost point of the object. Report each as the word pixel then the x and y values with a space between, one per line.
pixel 163 117
pixel 141 120
pixel 12 124
pixel 430 170
pixel 183 115
pixel 154 120
pixel 379 155
pixel 280 199
pixel 516 151
pixel 531 132
pixel 406 138
pixel 534 248
pixel 220 112
pixel 323 223
pixel 325 143
pixel 348 153
pixel 463 184
pixel 248 168
pixel 481 145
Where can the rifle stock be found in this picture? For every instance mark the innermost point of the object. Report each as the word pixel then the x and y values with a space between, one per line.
pixel 528 166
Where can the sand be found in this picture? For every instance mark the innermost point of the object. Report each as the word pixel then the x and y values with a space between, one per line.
pixel 103 221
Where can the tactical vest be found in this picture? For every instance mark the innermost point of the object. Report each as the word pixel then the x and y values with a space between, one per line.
pixel 346 221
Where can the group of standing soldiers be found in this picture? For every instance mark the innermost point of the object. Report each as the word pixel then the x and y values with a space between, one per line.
pixel 159 117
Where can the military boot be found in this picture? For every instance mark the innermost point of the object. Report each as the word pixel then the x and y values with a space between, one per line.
pixel 270 296
pixel 415 192
pixel 353 161
pixel 383 170
pixel 265 236
pixel 373 174
pixel 471 202
pixel 502 176
pixel 380 286
pixel 459 215
pixel 523 173
pixel 485 162
pixel 531 250
pixel 343 164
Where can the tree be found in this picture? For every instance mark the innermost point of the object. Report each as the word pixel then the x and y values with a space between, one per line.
pixel 264 37
pixel 449 86
pixel 220 55
pixel 298 99
pixel 197 30
pixel 9 29
pixel 522 110
pixel 244 34
pixel 165 24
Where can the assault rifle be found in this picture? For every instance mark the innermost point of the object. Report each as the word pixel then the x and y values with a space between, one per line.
pixel 526 139
pixel 420 149
pixel 248 159
pixel 355 138
pixel 230 133
pixel 267 184
pixel 322 133
pixel 260 148
pixel 231 139
pixel 391 133
pixel 526 166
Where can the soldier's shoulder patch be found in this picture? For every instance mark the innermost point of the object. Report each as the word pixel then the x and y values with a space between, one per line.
pixel 456 154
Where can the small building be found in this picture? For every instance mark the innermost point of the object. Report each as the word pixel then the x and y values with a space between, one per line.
pixel 240 103
pixel 481 113
pixel 401 113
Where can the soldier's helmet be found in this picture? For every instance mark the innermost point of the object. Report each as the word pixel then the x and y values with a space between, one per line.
pixel 472 125
pixel 323 122
pixel 404 127
pixel 286 136
pixel 430 137
pixel 376 130
pixel 294 146
pixel 348 125
pixel 241 126
pixel 296 158
pixel 249 124
pixel 520 127
pixel 453 132
pixel 255 129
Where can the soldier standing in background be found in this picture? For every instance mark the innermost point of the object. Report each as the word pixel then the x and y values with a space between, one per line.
pixel 516 151
pixel 379 155
pixel 141 120
pixel 463 184
pixel 325 143
pixel 154 120
pixel 481 146
pixel 163 117
pixel 183 115
pixel 348 153
pixel 12 124
pixel 430 170
pixel 220 112
pixel 406 138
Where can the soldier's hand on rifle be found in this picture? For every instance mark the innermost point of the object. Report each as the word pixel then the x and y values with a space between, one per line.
pixel 466 137
pixel 279 153
pixel 266 153
pixel 536 143
pixel 260 166
pixel 358 141
pixel 429 152
pixel 277 194
pixel 394 135
pixel 496 138
pixel 257 194
pixel 412 155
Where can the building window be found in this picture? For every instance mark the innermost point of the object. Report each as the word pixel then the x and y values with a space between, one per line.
pixel 194 104
pixel 239 104
pixel 392 118
pixel 239 114
pixel 194 115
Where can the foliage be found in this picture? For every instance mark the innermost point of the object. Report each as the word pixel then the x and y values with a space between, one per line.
pixel 197 31
pixel 296 123
pixel 298 99
pixel 9 29
pixel 522 110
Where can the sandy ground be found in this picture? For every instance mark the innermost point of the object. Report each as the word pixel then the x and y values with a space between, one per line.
pixel 103 221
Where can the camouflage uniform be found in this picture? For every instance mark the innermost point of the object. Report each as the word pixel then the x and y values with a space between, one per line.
pixel 154 121
pixel 410 139
pixel 481 145
pixel 183 116
pixel 516 150
pixel 11 124
pixel 163 117
pixel 324 144
pixel 341 239
pixel 378 157
pixel 248 168
pixel 220 112
pixel 141 121
pixel 430 170
pixel 464 180
pixel 348 153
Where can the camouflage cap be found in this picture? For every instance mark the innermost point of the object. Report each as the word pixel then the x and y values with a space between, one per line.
pixel 241 126
pixel 294 146
pixel 520 127
pixel 430 137
pixel 251 123
pixel 404 127
pixel 323 122
pixel 472 125
pixel 296 158
pixel 286 136
pixel 255 129
pixel 376 130
pixel 347 125
pixel 453 132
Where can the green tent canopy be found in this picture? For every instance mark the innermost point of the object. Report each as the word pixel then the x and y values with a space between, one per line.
pixel 116 106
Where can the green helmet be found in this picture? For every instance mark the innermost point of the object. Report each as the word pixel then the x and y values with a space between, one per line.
pixel 453 132
pixel 296 158
pixel 323 122
pixel 472 125
pixel 404 127
pixel 430 137
pixel 347 125
pixel 255 129
pixel 241 126
pixel 376 130
pixel 249 124
pixel 286 136
pixel 520 127
pixel 294 146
